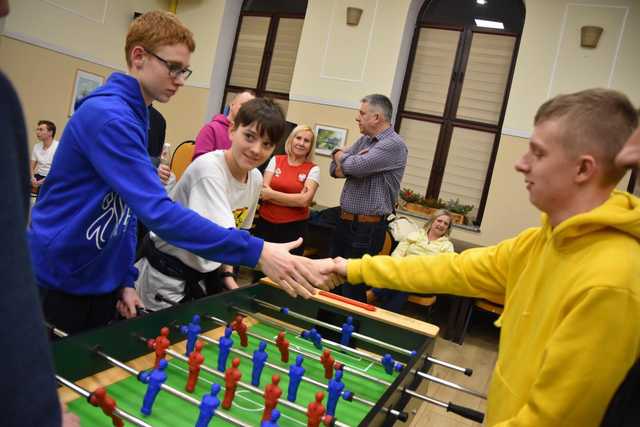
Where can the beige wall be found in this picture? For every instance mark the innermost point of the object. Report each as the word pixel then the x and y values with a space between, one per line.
pixel 45 44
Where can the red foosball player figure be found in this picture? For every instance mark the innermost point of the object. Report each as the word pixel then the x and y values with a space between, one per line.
pixel 195 360
pixel 239 326
pixel 283 346
pixel 160 345
pixel 231 378
pixel 327 361
pixel 102 400
pixel 315 411
pixel 271 395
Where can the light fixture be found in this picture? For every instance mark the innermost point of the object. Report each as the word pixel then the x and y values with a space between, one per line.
pixel 590 35
pixel 481 2
pixel 353 15
pixel 489 24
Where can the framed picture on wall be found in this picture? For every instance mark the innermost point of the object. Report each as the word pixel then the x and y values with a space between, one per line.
pixel 328 138
pixel 83 85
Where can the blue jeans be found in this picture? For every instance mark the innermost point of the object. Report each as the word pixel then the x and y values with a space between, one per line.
pixel 353 239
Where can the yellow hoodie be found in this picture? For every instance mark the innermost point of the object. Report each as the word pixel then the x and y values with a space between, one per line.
pixel 570 330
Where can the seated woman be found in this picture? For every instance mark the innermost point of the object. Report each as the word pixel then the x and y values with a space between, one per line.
pixel 289 185
pixel 432 239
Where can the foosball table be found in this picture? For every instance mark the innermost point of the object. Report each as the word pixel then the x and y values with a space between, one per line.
pixel 251 357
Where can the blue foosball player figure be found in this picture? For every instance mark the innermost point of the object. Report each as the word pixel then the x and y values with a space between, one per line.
pixel 335 388
pixel 273 421
pixel 388 363
pixel 208 406
pixel 225 345
pixel 296 372
pixel 259 359
pixel 154 379
pixel 347 331
pixel 192 330
pixel 314 336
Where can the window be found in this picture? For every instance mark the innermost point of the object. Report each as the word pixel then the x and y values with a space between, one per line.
pixel 265 49
pixel 454 97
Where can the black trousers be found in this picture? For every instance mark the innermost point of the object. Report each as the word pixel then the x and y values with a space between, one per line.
pixel 77 313
pixel 281 233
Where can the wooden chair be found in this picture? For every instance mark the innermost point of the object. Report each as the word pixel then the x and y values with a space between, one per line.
pixel 182 157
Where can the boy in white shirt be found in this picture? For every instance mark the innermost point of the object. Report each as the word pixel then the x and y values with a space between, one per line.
pixel 223 186
pixel 43 151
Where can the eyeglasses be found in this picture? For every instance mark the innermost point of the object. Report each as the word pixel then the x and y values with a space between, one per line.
pixel 175 70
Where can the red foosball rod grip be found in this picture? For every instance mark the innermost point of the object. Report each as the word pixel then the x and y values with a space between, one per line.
pixel 349 301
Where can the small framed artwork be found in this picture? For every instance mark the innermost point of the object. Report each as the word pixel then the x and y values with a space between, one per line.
pixel 83 85
pixel 328 138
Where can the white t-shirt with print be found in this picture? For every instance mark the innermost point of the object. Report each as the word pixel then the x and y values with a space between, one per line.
pixel 208 188
pixel 44 157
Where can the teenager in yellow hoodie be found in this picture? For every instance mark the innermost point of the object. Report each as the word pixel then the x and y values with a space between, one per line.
pixel 571 287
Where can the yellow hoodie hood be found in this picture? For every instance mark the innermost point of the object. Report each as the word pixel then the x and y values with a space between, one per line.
pixel 621 211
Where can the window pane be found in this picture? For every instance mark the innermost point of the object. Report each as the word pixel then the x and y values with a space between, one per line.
pixel 421 139
pixel 431 72
pixel 486 78
pixel 249 50
pixel 466 168
pixel 284 55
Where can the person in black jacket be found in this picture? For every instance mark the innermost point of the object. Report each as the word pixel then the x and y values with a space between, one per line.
pixel 28 386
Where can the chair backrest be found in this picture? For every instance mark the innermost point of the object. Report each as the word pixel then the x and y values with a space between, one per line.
pixel 182 157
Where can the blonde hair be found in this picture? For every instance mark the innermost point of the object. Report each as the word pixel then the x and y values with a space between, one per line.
pixel 595 121
pixel 293 134
pixel 157 28
pixel 436 215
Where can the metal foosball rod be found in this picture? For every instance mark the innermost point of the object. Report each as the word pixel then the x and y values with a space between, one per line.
pixel 361 353
pixel 452 407
pixel 222 322
pixel 242 384
pixel 164 387
pixel 466 371
pixel 316 383
pixel 450 384
pixel 463 411
pixel 86 393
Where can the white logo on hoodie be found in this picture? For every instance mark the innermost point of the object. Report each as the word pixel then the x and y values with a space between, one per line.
pixel 116 213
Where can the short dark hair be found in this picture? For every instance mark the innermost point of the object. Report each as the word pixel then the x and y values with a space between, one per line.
pixel 381 103
pixel 50 125
pixel 266 114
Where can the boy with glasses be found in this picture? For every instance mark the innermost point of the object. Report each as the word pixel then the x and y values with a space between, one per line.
pixel 82 237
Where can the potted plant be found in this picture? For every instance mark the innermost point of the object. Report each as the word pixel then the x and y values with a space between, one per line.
pixel 458 210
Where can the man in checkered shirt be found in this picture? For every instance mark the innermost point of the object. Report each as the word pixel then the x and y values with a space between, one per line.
pixel 373 168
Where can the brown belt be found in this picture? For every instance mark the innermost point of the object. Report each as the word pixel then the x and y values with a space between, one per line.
pixel 348 216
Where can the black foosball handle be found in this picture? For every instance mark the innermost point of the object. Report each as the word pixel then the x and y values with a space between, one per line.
pixel 465 412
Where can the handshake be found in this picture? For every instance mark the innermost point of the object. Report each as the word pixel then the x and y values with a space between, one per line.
pixel 300 276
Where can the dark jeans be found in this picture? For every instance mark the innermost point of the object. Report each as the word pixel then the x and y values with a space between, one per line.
pixel 77 313
pixel 353 239
pixel 390 299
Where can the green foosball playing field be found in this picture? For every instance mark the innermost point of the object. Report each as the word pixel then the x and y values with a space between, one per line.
pixel 171 411
pixel 377 394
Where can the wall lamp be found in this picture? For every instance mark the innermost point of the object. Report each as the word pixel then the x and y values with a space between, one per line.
pixel 590 35
pixel 353 15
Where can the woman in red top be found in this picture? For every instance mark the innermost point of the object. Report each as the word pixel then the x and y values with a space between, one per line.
pixel 290 182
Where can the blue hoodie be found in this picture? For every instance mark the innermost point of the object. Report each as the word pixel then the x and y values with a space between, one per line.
pixel 83 227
